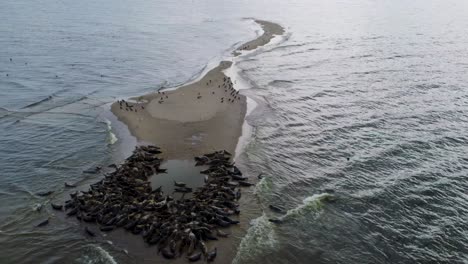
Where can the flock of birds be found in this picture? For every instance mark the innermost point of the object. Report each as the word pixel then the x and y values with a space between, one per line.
pixel 129 107
pixel 227 85
pixel 125 199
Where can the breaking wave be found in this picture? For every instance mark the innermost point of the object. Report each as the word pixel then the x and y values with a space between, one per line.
pixel 96 255
pixel 309 204
pixel 263 188
pixel 111 138
pixel 260 239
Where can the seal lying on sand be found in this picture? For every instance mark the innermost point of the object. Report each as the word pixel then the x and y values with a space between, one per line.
pixel 125 199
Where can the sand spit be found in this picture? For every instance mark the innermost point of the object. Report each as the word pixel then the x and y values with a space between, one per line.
pixel 269 31
pixel 191 120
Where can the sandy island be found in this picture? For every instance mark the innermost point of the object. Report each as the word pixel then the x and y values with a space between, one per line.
pixel 191 120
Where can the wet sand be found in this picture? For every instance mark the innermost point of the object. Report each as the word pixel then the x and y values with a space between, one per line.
pixel 191 120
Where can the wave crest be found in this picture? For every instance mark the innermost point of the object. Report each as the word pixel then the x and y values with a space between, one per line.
pixel 309 204
pixel 111 138
pixel 260 238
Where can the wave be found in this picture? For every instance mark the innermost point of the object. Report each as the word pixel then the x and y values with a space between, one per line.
pixel 366 72
pixel 403 56
pixel 299 52
pixel 309 204
pixel 5 113
pixel 96 255
pixel 295 125
pixel 111 138
pixel 280 83
pixel 48 98
pixel 361 56
pixel 260 239
pixel 38 102
pixel 65 102
pixel 287 46
pixel 263 187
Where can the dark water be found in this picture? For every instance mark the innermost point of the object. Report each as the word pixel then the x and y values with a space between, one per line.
pixel 181 171
pixel 382 83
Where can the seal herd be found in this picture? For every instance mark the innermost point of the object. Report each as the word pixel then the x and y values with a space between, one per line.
pixel 125 199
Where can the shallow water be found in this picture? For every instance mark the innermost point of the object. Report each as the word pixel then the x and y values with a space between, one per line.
pixel 381 83
pixel 180 171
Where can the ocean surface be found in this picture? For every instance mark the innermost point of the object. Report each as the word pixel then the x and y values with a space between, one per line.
pixel 365 101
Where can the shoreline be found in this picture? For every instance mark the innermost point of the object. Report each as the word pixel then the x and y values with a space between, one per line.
pixel 184 126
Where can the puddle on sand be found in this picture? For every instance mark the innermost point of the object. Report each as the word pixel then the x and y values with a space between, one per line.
pixel 180 171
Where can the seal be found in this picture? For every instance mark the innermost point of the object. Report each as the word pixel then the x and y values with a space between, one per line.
pixel 275 208
pixel 167 253
pixel 245 184
pixel 124 198
pixel 275 220
pixel 43 223
pixel 47 193
pixel 238 178
pixel 72 212
pixel 69 185
pixel 107 228
pixel 238 194
pixel 183 190
pixel 209 236
pixel 90 232
pixel 195 257
pixel 158 170
pixel 93 170
pixel 221 233
pixel 179 184
pixel 57 206
pixel 212 255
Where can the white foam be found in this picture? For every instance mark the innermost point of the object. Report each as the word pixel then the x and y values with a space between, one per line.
pixel 260 238
pixel 309 204
pixel 106 255
pixel 111 138
pixel 240 83
pixel 96 255
pixel 247 130
pixel 263 187
pixel 273 42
